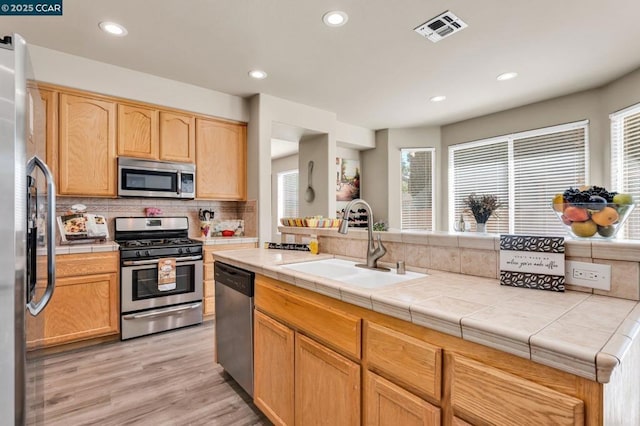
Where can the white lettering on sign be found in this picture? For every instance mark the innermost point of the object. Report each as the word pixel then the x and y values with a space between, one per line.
pixel 533 262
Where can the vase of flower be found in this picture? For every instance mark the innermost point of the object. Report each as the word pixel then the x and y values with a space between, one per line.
pixel 481 207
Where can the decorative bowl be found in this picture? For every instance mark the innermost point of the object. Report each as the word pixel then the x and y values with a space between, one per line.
pixel 593 221
pixel 228 233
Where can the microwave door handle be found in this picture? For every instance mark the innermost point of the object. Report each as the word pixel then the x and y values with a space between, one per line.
pixel 179 182
pixel 36 307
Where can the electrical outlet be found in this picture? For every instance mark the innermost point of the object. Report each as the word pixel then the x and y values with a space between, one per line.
pixel 584 274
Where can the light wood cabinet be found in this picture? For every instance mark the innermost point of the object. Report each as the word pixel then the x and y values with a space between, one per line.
pixel 274 368
pixel 45 127
pixel 138 132
pixel 177 137
pixel 327 386
pixel 85 303
pixel 209 302
pixel 290 358
pixel 415 375
pixel 484 395
pixel 386 404
pixel 221 160
pixel 86 146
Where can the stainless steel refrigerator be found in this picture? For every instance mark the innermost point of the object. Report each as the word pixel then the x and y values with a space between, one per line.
pixel 27 235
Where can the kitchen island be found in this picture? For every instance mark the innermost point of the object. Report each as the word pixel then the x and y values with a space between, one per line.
pixel 448 348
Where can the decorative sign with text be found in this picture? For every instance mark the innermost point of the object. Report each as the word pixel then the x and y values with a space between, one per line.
pixel 532 262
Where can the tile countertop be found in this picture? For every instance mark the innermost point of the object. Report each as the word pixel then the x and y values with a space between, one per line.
pixel 579 333
pixel 82 248
pixel 225 240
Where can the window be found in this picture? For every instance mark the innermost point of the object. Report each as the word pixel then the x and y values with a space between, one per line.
pixel 417 188
pixel 524 170
pixel 625 161
pixel 287 194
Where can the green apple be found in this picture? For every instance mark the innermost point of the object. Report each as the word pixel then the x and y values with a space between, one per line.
pixel 606 231
pixel 623 198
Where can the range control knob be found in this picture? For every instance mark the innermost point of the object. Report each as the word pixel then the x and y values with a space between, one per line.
pixel 138 253
pixel 147 253
pixel 188 249
pixel 180 250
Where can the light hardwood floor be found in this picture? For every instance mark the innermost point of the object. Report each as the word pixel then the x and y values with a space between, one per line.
pixel 164 379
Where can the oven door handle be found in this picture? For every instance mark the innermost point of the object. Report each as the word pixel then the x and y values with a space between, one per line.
pixel 177 310
pixel 155 261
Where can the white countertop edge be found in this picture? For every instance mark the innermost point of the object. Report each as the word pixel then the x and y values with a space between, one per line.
pixel 576 360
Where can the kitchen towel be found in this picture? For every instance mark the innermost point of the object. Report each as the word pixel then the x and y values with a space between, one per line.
pixel 166 274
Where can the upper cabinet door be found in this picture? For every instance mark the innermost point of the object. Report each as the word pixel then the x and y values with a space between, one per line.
pixel 137 131
pixel 221 160
pixel 177 137
pixel 87 146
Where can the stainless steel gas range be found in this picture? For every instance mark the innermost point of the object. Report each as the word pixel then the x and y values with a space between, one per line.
pixel 160 275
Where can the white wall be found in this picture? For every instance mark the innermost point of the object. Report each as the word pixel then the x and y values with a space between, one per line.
pixel 265 110
pixel 594 105
pixel 381 170
pixel 56 67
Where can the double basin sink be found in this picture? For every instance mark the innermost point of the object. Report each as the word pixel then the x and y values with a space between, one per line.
pixel 348 273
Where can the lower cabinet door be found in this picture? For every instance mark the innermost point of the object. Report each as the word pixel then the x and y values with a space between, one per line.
pixel 387 404
pixel 327 386
pixel 82 308
pixel 273 349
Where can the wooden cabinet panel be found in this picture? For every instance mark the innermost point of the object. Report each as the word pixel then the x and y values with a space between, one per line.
pixel 337 329
pixel 410 362
pixel 87 146
pixel 209 288
pixel 484 395
pixel 82 307
pixel 327 386
pixel 137 131
pixel 45 137
pixel 177 137
pixel 389 405
pixel 85 303
pixel 274 369
pixel 457 421
pixel 221 157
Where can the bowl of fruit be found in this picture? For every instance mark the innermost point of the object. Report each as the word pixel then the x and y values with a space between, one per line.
pixel 592 212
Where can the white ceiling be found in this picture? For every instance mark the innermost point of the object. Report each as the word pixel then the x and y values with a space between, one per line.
pixel 373 72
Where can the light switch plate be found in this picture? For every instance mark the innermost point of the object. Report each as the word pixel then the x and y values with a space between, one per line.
pixel 591 275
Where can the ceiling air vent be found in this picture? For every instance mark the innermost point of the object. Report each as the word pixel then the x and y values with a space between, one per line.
pixel 441 26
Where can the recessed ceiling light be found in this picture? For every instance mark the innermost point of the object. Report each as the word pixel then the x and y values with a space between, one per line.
pixel 335 18
pixel 506 76
pixel 113 28
pixel 438 98
pixel 257 74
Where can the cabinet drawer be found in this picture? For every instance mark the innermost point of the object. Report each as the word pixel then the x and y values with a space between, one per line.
pixel 334 328
pixel 484 395
pixel 83 263
pixel 410 362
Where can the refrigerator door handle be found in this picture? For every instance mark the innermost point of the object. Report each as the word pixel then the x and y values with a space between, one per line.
pixel 36 307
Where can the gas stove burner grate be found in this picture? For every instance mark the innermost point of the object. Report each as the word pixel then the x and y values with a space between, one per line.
pixel 161 242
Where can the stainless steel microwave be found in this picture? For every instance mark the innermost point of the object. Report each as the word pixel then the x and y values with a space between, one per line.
pixel 156 179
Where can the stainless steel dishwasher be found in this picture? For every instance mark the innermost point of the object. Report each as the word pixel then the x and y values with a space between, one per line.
pixel 234 322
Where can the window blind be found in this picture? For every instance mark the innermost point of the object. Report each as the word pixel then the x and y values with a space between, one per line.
pixel 545 165
pixel 288 194
pixel 524 170
pixel 417 188
pixel 625 161
pixel 481 169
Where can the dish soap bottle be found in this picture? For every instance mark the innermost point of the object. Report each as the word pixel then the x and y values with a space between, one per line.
pixel 313 245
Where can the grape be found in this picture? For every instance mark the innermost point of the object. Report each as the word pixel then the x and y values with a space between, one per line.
pixel 575 196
